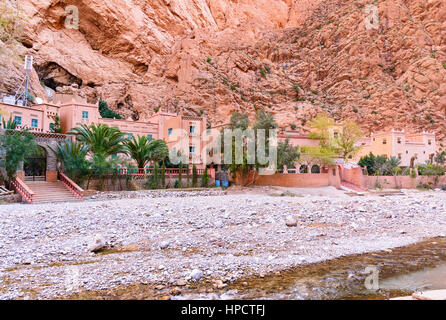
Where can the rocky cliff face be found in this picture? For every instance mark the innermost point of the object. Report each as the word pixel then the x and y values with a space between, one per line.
pixel 383 65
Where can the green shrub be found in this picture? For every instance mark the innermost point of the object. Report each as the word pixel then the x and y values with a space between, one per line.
pixel 105 112
pixel 430 170
pixel 180 177
pixel 194 176
pixel 205 178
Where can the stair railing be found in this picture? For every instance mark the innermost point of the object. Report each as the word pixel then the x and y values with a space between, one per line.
pixel 23 190
pixel 72 186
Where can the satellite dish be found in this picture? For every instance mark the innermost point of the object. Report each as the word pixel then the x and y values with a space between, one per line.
pixel 39 100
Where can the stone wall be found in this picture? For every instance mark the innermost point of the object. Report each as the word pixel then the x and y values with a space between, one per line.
pixel 121 183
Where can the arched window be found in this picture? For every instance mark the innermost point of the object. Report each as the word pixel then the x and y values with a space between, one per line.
pixel 315 169
pixel 303 169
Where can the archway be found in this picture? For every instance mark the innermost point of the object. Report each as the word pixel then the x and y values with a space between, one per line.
pixel 315 169
pixel 303 169
pixel 35 165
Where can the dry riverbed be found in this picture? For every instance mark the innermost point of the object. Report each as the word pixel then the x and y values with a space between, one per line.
pixel 164 244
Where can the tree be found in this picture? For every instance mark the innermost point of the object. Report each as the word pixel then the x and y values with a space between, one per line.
pixel 10 125
pixel 194 176
pixel 56 128
pixel 180 175
pixel 105 111
pixel 163 175
pixel 345 141
pixel 205 178
pixel 239 121
pixel 380 165
pixel 287 154
pixel 102 140
pixel 440 157
pixel 139 149
pixel 14 146
pixel 73 155
pixel 158 151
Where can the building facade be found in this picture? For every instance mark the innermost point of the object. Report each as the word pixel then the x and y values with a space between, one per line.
pixel 415 148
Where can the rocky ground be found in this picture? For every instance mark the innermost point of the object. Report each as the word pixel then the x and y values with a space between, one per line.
pixel 164 239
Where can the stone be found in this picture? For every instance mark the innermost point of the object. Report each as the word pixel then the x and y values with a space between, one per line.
pixel 196 274
pixel 164 245
pixel 97 244
pixel 291 221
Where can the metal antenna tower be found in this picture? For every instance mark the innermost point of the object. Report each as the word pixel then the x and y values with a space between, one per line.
pixel 22 95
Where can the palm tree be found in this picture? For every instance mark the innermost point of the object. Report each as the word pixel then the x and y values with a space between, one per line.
pixel 139 149
pixel 10 125
pixel 73 155
pixel 158 151
pixel 101 139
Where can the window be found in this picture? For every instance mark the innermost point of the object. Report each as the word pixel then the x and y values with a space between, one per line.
pixel 303 169
pixel 429 142
pixel 150 136
pixel 384 141
pixel 191 149
pixel 191 129
pixel 169 131
pixel 84 114
pixel 51 126
pixel 398 140
pixel 407 152
pixel 18 120
pixel 34 123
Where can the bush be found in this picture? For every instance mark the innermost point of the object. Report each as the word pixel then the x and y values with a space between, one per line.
pixel 205 178
pixel 430 170
pixel 106 112
pixel 194 176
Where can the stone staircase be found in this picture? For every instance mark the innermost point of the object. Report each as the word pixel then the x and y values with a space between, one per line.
pixel 351 188
pixel 47 192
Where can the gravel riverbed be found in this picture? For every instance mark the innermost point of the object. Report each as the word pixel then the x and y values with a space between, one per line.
pixel 174 238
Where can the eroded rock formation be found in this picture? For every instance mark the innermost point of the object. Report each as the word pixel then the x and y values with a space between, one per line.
pixel 382 66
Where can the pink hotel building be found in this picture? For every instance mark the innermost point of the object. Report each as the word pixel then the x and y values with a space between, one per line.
pixel 74 111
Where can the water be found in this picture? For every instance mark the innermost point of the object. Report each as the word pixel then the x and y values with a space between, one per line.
pixel 400 272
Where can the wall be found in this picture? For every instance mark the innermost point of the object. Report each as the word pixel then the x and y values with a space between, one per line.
pixel 26 113
pixel 299 180
pixel 356 177
pixel 138 183
pixel 402 182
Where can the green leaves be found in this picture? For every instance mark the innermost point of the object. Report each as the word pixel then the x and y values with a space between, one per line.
pixel 139 150
pixel 73 155
pixel 14 146
pixel 101 139
pixel 105 112
pixel 287 154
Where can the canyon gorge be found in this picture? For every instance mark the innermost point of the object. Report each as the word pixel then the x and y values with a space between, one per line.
pixel 380 63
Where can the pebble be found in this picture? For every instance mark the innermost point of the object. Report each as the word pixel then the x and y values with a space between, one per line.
pixel 213 231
